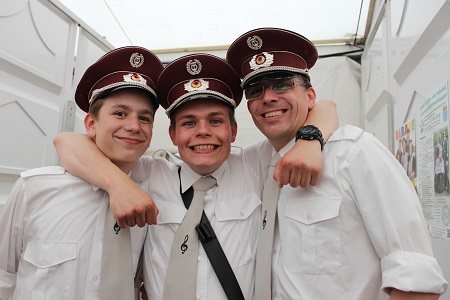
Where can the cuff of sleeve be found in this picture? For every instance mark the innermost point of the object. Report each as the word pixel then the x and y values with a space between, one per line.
pixel 412 272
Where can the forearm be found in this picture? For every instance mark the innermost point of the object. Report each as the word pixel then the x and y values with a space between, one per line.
pixel 324 116
pixel 80 156
pixel 400 295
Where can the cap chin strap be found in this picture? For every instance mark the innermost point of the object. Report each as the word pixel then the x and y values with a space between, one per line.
pixel 277 69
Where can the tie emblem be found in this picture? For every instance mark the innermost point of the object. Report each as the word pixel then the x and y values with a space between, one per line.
pixel 116 228
pixel 264 220
pixel 184 246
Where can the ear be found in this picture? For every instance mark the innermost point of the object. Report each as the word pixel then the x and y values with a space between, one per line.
pixel 233 131
pixel 311 97
pixel 89 124
pixel 172 135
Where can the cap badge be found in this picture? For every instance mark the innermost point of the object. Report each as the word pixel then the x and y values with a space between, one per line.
pixel 261 61
pixel 133 77
pixel 196 85
pixel 254 42
pixel 194 67
pixel 136 60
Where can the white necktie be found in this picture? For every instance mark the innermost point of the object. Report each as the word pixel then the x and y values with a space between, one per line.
pixel 263 275
pixel 117 279
pixel 181 274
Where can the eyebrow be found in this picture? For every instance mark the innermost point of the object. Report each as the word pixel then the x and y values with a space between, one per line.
pixel 192 116
pixel 127 107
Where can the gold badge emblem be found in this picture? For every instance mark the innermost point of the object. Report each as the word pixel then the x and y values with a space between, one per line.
pixel 261 61
pixel 196 85
pixel 133 77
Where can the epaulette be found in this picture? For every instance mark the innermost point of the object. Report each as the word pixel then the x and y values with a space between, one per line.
pixel 164 154
pixel 51 170
pixel 347 132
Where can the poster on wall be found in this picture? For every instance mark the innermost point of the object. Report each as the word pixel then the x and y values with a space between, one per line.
pixel 432 162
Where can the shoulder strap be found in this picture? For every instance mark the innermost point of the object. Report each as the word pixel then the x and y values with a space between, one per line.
pixel 214 251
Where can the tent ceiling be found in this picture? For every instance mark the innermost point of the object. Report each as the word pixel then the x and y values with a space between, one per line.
pixel 178 25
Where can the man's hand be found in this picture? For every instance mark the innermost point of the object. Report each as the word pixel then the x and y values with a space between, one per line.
pixel 301 166
pixel 131 205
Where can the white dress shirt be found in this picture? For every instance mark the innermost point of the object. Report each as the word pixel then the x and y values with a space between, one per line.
pixel 357 233
pixel 233 208
pixel 51 237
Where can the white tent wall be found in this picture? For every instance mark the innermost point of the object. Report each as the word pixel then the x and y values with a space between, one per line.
pixel 37 50
pixel 406 58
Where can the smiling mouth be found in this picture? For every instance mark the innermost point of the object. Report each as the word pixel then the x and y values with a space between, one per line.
pixel 130 140
pixel 273 114
pixel 203 147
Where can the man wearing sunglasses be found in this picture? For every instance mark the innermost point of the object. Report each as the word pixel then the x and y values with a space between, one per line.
pixel 278 86
pixel 346 237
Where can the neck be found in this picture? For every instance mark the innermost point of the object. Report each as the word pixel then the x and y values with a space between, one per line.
pixel 279 144
pixel 125 168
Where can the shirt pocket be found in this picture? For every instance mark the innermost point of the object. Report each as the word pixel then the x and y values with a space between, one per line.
pixel 237 228
pixel 160 236
pixel 312 243
pixel 47 270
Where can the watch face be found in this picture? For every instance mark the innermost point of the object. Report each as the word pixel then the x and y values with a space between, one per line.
pixel 308 129
pixel 310 132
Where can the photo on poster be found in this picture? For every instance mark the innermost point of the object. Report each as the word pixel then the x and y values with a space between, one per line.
pixel 406 149
pixel 440 141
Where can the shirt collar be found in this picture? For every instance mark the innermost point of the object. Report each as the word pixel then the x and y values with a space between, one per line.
pixel 286 148
pixel 189 176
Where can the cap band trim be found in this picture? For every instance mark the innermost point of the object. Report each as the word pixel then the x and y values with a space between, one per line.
pixel 115 85
pixel 197 94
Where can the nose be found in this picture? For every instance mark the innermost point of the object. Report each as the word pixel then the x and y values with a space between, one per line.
pixel 203 128
pixel 133 124
pixel 269 94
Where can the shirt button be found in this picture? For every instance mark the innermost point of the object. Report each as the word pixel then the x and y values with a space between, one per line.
pixel 95 277
pixel 274 252
pixel 274 293
pixel 242 213
pixel 200 258
pixel 43 261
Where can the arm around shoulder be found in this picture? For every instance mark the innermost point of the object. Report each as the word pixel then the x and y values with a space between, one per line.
pixel 303 164
pixel 324 116
pixel 129 203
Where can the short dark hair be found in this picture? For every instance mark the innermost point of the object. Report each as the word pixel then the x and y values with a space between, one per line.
pixel 231 113
pixel 94 109
pixel 306 82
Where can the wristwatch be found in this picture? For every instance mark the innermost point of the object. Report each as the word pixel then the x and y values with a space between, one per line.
pixel 310 132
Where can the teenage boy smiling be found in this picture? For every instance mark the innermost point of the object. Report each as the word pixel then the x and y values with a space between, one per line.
pixel 51 230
